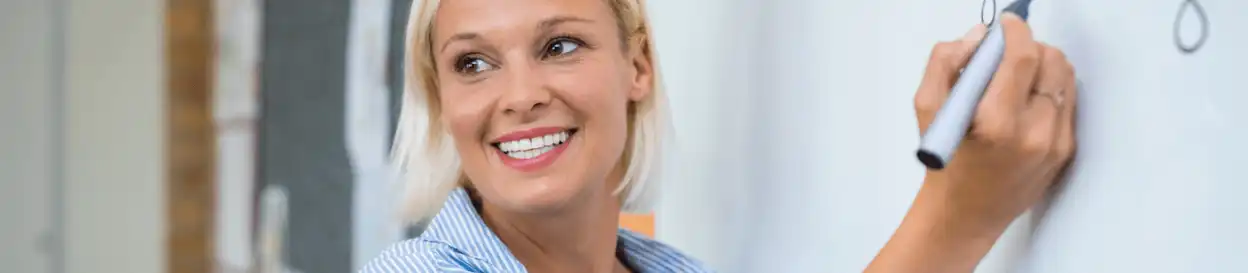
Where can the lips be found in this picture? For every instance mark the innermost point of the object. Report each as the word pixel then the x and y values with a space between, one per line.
pixel 533 149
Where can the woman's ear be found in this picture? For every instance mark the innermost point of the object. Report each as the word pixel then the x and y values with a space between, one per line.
pixel 643 69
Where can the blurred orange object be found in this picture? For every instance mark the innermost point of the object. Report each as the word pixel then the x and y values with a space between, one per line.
pixel 640 223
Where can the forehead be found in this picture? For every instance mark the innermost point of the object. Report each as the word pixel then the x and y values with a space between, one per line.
pixel 486 16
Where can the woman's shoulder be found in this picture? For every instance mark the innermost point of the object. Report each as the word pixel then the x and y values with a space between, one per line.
pixel 651 255
pixel 418 255
pixel 423 254
pixel 455 240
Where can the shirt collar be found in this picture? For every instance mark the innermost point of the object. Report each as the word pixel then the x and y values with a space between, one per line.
pixel 459 225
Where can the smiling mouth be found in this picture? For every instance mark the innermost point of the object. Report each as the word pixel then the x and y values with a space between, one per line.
pixel 531 148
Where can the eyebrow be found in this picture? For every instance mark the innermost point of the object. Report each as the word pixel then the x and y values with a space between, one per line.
pixel 460 36
pixel 543 26
pixel 551 22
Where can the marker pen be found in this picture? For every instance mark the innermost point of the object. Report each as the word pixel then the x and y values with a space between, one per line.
pixel 954 117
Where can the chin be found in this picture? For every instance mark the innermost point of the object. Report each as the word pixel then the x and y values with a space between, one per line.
pixel 540 195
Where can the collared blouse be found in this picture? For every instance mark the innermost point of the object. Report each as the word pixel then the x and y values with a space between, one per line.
pixel 457 240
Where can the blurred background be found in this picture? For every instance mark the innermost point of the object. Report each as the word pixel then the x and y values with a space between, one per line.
pixel 251 135
pixel 199 135
pixel 139 134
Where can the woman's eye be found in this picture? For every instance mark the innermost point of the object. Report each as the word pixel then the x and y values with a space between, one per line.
pixel 560 47
pixel 473 65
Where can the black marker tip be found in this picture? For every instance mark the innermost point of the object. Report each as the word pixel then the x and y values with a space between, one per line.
pixel 1019 7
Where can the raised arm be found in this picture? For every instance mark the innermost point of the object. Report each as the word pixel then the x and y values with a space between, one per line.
pixel 1021 140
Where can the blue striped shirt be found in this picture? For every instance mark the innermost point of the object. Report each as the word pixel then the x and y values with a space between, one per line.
pixel 457 240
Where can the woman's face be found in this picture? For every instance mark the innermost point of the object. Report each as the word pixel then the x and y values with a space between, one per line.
pixel 535 94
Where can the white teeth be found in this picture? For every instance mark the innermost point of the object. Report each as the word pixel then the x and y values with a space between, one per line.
pixel 533 147
pixel 530 153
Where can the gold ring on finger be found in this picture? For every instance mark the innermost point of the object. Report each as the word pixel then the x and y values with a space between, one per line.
pixel 1055 97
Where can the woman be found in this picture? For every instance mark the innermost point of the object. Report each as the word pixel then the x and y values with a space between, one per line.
pixel 543 121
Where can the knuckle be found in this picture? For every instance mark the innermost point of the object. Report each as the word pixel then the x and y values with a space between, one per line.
pixel 1035 145
pixel 1055 56
pixel 1024 59
pixel 925 102
pixel 993 112
pixel 993 128
pixel 940 51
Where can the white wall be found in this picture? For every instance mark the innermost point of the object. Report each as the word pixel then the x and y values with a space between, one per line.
pixel 1159 183
pixel 26 163
pixel 705 63
pixel 115 135
pixel 110 134
pixel 795 127
pixel 797 134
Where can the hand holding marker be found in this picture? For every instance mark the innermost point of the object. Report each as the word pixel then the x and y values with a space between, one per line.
pixel 954 117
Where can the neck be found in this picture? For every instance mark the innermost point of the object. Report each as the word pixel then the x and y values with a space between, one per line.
pixel 579 238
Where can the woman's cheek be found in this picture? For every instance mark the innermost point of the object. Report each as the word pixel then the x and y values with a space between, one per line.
pixel 466 121
pixel 596 89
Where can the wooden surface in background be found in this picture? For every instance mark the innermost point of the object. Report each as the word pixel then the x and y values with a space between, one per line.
pixel 190 189
pixel 643 224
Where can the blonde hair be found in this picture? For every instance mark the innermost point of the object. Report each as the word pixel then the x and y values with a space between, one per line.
pixel 425 157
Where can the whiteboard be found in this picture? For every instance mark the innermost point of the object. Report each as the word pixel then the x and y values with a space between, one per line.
pixel 796 133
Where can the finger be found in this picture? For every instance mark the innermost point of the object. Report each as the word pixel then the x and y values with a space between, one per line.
pixel 1067 120
pixel 948 58
pixel 1057 76
pixel 1040 129
pixel 943 67
pixel 1042 116
pixel 1053 77
pixel 1010 88
pixel 1019 63
pixel 1065 146
pixel 976 34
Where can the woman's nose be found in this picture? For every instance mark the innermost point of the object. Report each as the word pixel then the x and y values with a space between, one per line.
pixel 526 94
